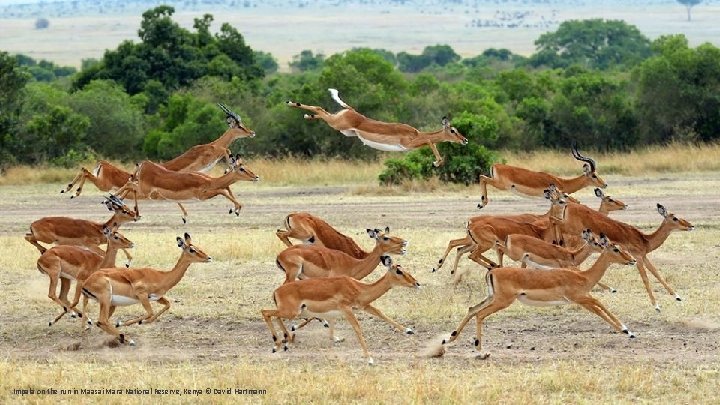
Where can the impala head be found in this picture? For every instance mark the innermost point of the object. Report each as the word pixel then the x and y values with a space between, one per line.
pixel 398 276
pixel 617 253
pixel 238 167
pixel 592 240
pixel 234 121
pixel 555 196
pixel 388 244
pixel 193 253
pixel 673 221
pixel 609 203
pixel 123 213
pixel 589 167
pixel 452 132
pixel 117 239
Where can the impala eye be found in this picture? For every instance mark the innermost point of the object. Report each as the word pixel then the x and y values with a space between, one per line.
pixel 192 250
pixel 385 238
pixel 616 250
pixel 594 176
pixel 675 219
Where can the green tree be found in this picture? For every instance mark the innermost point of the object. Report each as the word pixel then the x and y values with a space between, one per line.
pixel 12 82
pixel 678 92
pixel 306 60
pixel 117 125
pixel 596 43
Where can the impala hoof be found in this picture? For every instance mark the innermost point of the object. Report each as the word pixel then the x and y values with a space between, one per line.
pixel 371 361
pixel 117 324
pixel 131 342
pixel 184 220
pixel 677 298
pixel 409 331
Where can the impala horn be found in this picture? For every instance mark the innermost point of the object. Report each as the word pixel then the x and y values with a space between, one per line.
pixel 231 115
pixel 582 158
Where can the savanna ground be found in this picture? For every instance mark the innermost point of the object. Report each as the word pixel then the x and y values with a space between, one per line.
pixel 214 337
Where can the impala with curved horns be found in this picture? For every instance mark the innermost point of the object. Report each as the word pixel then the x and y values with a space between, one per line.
pixel 152 181
pixel 385 136
pixel 544 288
pixel 532 183
pixel 200 158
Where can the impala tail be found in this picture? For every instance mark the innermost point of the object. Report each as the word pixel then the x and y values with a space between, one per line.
pixel 336 96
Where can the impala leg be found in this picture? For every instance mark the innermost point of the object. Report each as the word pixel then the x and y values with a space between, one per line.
pixel 287 337
pixel 659 278
pixel 317 112
pixel 646 282
pixel 356 327
pixel 460 252
pixel 487 307
pixel 376 312
pixel 330 324
pixel 284 237
pixel 484 180
pixel 184 212
pixel 267 315
pixel 438 158
pixel 128 256
pixel 478 257
pixel 596 307
pixel 606 287
pixel 143 297
pixel 64 288
pixel 104 323
pixel 166 305
pixel 52 294
pixel 227 193
pixel 85 175
pixel 451 245
pixel 72 183
pixel 31 238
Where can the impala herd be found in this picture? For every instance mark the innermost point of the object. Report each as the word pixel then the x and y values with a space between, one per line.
pixel 324 273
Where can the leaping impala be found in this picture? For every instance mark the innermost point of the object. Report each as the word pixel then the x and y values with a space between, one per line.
pixel 153 181
pixel 578 217
pixel 332 297
pixel 544 288
pixel 385 136
pixel 67 263
pixel 79 232
pixel 532 183
pixel 311 229
pixel 115 287
pixel 200 158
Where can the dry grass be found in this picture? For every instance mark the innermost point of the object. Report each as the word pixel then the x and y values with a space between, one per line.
pixel 363 174
pixel 649 160
pixel 213 336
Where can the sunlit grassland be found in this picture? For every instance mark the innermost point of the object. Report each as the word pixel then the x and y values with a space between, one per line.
pixel 213 335
pixel 674 158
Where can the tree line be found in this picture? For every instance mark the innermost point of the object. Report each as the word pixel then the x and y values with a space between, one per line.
pixel 600 83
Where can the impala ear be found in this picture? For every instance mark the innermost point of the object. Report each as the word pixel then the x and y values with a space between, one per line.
pixel 599 193
pixel 586 168
pixel 371 233
pixel 106 230
pixel 604 241
pixel 445 122
pixel 661 210
pixel 546 194
pixel 386 261
pixel 188 240
pixel 587 235
pixel 180 242
pixel 387 229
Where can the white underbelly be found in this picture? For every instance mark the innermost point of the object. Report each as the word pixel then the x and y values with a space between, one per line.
pixel 383 146
pixel 123 301
pixel 67 276
pixel 349 132
pixel 208 166
pixel 537 303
